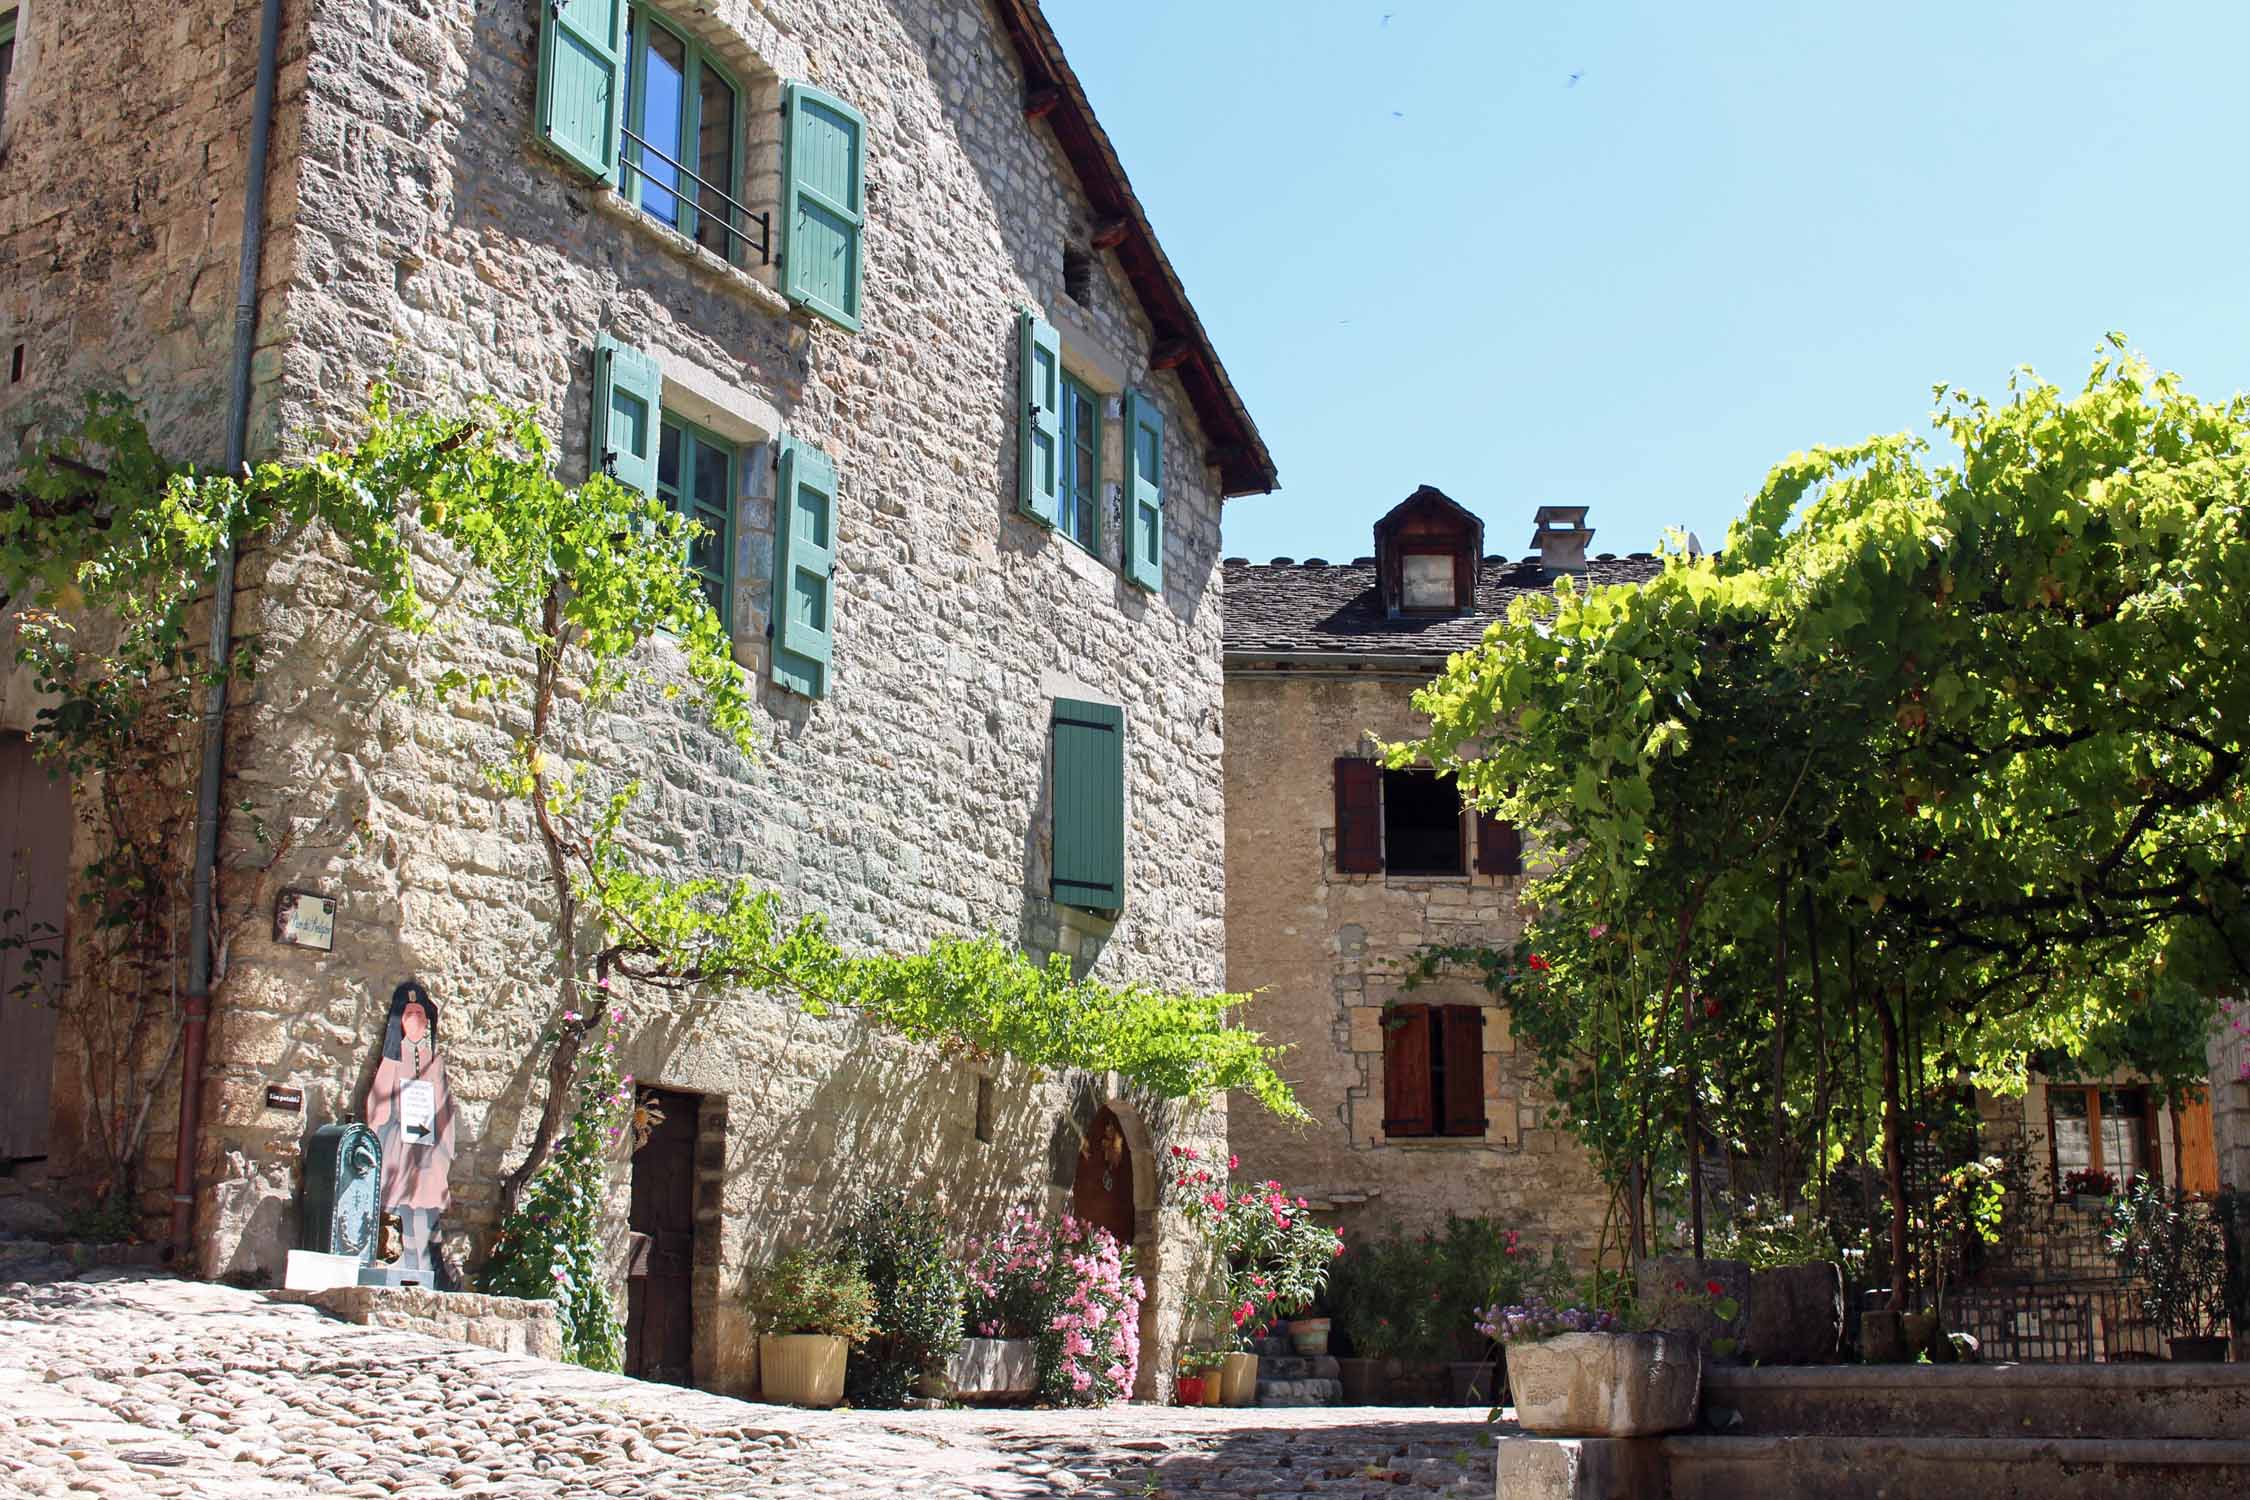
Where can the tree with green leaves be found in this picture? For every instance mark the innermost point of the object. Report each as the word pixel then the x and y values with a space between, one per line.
pixel 1937 765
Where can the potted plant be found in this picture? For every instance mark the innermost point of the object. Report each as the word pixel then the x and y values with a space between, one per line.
pixel 1198 1383
pixel 810 1307
pixel 1587 1371
pixel 1365 1293
pixel 1480 1265
pixel 1265 1257
pixel 2088 1187
pixel 1053 1311
pixel 2176 1250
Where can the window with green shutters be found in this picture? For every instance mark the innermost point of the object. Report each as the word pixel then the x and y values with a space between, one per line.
pixel 804 566
pixel 628 394
pixel 1088 785
pixel 1078 503
pixel 695 476
pixel 581 82
pixel 1144 492
pixel 823 203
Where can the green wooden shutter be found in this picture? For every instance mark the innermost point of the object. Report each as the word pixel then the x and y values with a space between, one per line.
pixel 1089 797
pixel 582 82
pixel 1144 492
pixel 824 202
pixel 628 405
pixel 804 566
pixel 1039 478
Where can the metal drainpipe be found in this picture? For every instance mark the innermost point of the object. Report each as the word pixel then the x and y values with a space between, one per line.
pixel 198 1002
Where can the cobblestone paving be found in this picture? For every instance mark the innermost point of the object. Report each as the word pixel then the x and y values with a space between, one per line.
pixel 135 1386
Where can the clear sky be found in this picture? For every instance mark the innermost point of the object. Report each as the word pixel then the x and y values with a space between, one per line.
pixel 1426 255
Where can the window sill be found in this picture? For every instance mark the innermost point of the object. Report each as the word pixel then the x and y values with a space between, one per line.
pixel 1087 565
pixel 609 201
pixel 1441 1142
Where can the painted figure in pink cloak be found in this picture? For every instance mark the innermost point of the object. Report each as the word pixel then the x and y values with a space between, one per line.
pixel 411 1111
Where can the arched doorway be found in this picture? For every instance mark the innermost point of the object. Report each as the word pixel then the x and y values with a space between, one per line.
pixel 1102 1190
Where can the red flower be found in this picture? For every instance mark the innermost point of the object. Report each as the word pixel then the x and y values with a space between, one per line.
pixel 1233 1162
pixel 1710 1007
pixel 1714 1288
pixel 1538 964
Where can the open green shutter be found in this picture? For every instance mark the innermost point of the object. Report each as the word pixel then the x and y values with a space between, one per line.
pixel 628 405
pixel 1040 477
pixel 1144 492
pixel 1089 798
pixel 804 565
pixel 582 82
pixel 824 203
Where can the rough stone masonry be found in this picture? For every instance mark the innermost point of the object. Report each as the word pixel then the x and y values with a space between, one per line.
pixel 418 232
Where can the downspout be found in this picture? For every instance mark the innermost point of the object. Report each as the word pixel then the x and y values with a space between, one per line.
pixel 197 1019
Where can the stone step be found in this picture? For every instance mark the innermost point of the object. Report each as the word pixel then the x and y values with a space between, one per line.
pixel 1304 1392
pixel 2133 1401
pixel 1848 1468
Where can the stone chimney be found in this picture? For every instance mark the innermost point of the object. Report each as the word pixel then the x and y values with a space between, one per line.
pixel 1559 538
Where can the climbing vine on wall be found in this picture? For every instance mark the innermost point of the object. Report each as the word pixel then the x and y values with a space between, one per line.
pixel 580 581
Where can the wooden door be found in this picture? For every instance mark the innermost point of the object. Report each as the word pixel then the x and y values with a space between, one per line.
pixel 660 1291
pixel 35 868
pixel 2198 1148
pixel 1102 1190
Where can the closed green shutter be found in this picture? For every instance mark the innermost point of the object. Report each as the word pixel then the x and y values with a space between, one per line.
pixel 1089 796
pixel 804 565
pixel 582 81
pixel 1144 492
pixel 628 401
pixel 1040 477
pixel 824 203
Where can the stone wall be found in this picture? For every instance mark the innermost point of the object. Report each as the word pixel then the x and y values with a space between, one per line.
pixel 1326 949
pixel 417 230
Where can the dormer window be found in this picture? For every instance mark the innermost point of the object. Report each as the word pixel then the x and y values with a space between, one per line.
pixel 1426 553
pixel 1428 581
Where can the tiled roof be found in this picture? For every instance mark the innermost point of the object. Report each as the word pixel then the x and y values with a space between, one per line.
pixel 1316 605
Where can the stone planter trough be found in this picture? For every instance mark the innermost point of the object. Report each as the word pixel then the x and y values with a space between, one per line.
pixel 1606 1384
pixel 992 1370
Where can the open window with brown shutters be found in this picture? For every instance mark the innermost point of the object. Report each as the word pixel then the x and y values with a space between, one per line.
pixel 1408 822
pixel 1433 1070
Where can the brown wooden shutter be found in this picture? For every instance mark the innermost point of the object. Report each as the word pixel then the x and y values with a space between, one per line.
pixel 1499 847
pixel 2198 1148
pixel 1406 1071
pixel 1464 1069
pixel 1359 816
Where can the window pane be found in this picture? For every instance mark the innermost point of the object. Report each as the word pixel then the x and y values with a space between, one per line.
pixel 2124 1133
pixel 1421 824
pixel 711 468
pixel 2074 1144
pixel 668 463
pixel 661 86
pixel 715 162
pixel 1429 581
pixel 1080 491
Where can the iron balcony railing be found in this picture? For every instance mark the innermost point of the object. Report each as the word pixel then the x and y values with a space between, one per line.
pixel 694 208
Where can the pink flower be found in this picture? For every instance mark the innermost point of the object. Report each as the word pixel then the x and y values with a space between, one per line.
pixel 1233 1163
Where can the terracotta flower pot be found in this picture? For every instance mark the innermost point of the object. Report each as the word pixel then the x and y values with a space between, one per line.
pixel 802 1369
pixel 1214 1385
pixel 1470 1382
pixel 1238 1380
pixel 1606 1384
pixel 1310 1335
pixel 1187 1390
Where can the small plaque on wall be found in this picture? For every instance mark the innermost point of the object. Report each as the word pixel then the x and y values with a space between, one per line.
pixel 278 1097
pixel 305 920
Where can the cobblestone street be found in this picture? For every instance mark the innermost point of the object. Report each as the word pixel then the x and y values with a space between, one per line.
pixel 128 1385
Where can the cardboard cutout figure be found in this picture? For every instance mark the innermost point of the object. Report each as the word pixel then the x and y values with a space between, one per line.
pixel 411 1111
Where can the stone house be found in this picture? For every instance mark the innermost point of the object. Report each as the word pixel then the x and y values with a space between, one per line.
pixel 1339 871
pixel 860 283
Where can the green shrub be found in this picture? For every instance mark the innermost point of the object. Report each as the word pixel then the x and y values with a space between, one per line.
pixel 806 1291
pixel 919 1294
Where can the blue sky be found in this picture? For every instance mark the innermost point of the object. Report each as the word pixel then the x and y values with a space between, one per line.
pixel 1426 256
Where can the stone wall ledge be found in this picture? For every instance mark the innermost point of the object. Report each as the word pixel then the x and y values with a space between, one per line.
pixel 511 1325
pixel 2152 1401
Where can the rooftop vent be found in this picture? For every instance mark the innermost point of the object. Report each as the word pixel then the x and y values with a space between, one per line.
pixel 1559 537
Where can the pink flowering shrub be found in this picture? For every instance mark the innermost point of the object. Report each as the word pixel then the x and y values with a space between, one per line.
pixel 1072 1288
pixel 1268 1258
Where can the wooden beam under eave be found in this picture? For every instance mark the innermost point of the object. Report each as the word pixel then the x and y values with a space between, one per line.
pixel 1110 233
pixel 1041 102
pixel 1170 354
